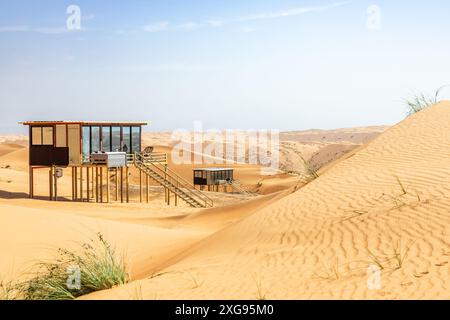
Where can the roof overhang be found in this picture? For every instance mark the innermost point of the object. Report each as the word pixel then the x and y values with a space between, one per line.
pixel 86 123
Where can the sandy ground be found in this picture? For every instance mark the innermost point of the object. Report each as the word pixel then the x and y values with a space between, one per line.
pixel 386 206
pixel 384 203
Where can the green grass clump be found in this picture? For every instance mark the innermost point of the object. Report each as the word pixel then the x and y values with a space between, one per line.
pixel 311 172
pixel 420 101
pixel 97 264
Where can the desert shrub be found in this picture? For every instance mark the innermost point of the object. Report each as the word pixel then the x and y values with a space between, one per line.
pixel 420 101
pixel 97 265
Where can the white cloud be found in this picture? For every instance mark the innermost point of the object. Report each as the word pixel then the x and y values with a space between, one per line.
pixel 215 23
pixel 290 12
pixel 14 29
pixel 164 25
pixel 52 30
pixel 43 30
pixel 156 27
pixel 87 17
pixel 248 29
pixel 168 67
pixel 189 26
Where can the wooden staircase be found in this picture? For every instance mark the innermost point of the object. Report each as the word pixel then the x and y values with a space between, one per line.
pixel 237 187
pixel 155 167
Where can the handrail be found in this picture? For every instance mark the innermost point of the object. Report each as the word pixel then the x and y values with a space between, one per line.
pixel 175 180
pixel 179 180
pixel 236 185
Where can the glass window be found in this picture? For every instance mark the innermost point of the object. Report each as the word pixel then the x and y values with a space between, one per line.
pixel 126 139
pixel 115 142
pixel 47 136
pixel 106 139
pixel 95 139
pixel 36 136
pixel 86 131
pixel 135 139
pixel 61 136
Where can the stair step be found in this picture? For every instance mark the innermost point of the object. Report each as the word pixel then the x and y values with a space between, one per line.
pixel 172 187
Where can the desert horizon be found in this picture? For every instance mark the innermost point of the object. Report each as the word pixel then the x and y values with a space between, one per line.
pixel 202 159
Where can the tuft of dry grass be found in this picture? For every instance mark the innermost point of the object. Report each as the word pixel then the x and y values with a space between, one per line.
pixel 394 260
pixel 311 172
pixel 260 294
pixel 402 187
pixel 329 271
pixel 420 101
pixel 96 263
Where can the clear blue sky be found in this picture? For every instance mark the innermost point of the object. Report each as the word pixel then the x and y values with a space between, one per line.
pixel 286 64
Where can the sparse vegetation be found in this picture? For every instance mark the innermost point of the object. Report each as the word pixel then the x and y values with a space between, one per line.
pixel 329 271
pixel 138 292
pixel 420 101
pixel 400 255
pixel 260 294
pixel 392 261
pixel 311 172
pixel 98 266
pixel 402 187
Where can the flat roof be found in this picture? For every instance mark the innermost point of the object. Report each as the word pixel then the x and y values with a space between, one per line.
pixel 212 169
pixel 89 123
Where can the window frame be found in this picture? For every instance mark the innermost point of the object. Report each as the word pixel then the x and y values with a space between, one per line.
pixel 41 130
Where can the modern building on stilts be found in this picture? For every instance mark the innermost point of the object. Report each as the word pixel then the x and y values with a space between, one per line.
pixel 99 155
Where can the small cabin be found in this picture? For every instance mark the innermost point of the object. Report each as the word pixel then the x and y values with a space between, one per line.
pixel 71 143
pixel 212 176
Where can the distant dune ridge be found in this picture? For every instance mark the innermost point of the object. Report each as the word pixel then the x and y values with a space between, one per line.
pixel 387 205
pixel 382 206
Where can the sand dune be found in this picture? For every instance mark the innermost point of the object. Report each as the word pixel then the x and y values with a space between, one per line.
pixel 224 252
pixel 386 204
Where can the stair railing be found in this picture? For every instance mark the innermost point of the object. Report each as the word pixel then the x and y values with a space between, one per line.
pixel 173 178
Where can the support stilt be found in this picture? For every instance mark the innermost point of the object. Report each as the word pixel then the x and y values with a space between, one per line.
pixel 140 185
pixel 31 182
pixel 76 183
pixel 117 184
pixel 87 185
pixel 55 182
pixel 127 184
pixel 101 184
pixel 121 184
pixel 96 184
pixel 92 183
pixel 147 187
pixel 81 184
pixel 50 182
pixel 107 184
